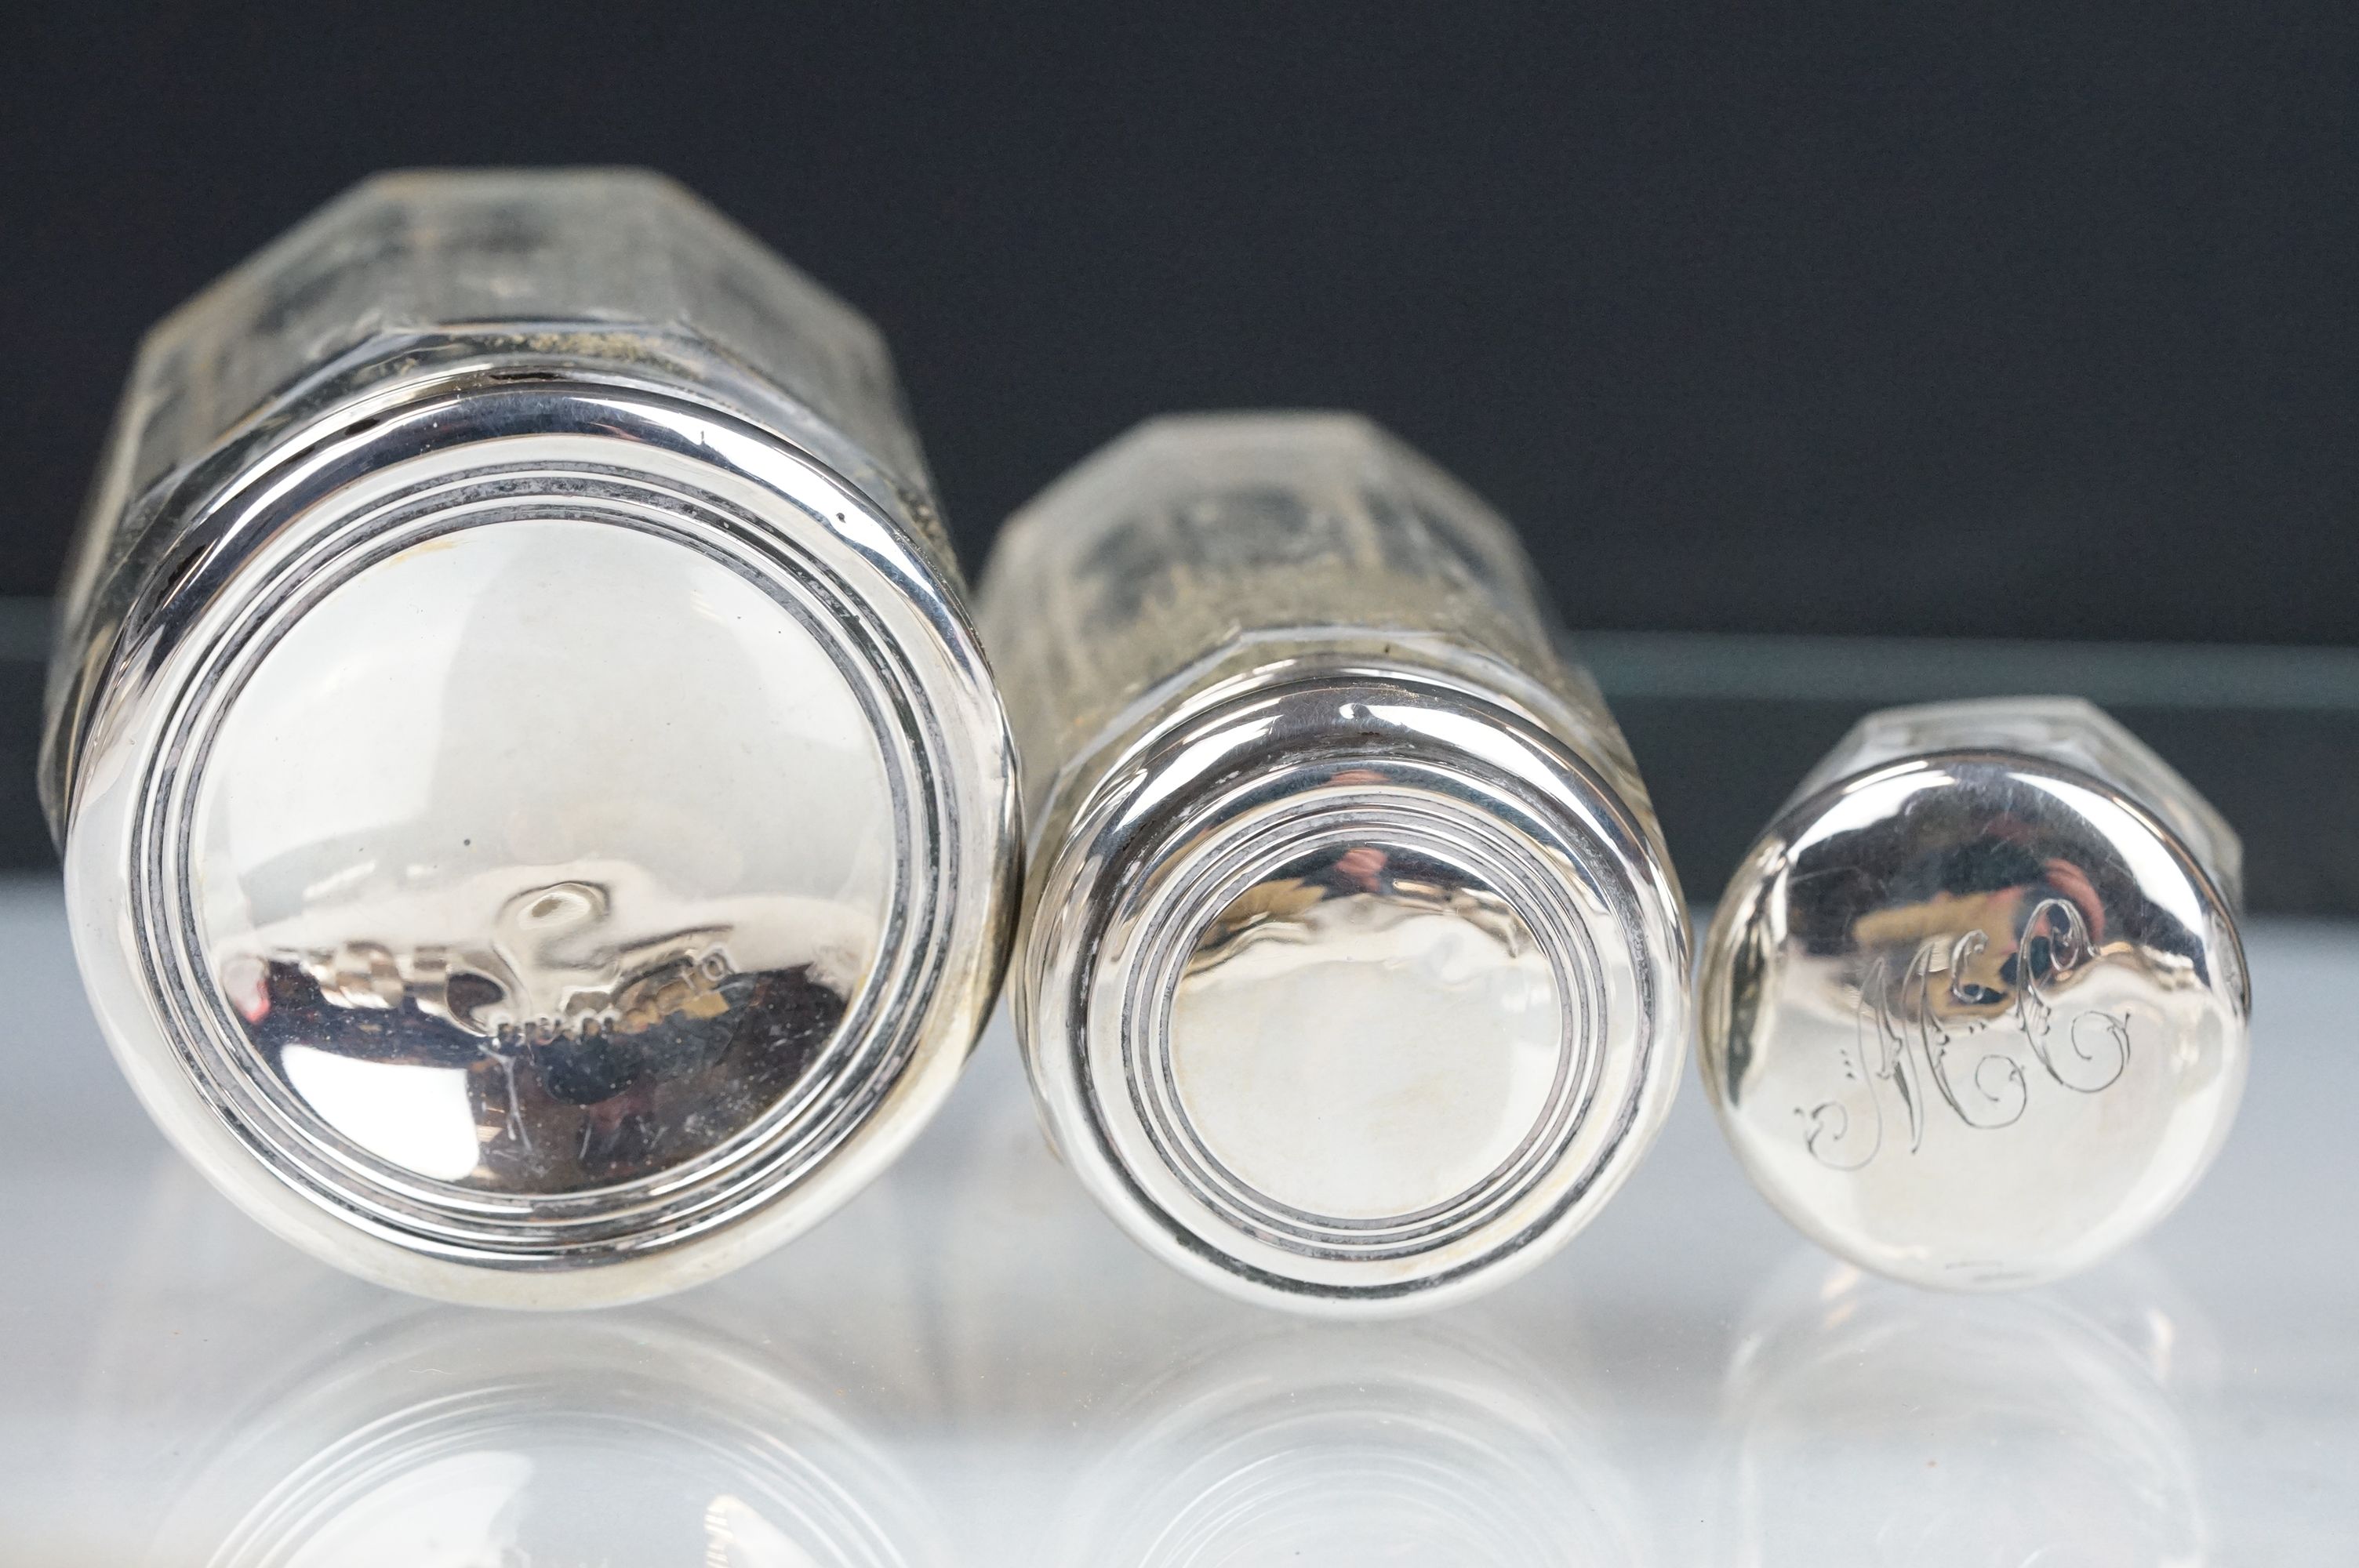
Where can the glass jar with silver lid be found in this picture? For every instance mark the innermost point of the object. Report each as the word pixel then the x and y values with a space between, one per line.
pixel 1974 1009
pixel 538 827
pixel 1354 976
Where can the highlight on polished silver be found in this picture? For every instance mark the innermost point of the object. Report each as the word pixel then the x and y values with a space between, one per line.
pixel 1974 1009
pixel 538 827
pixel 1354 976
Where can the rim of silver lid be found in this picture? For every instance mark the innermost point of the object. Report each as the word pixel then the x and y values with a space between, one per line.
pixel 1754 944
pixel 465 450
pixel 1211 806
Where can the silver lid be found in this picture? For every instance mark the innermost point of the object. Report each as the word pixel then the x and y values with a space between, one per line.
pixel 548 835
pixel 1974 1009
pixel 1353 992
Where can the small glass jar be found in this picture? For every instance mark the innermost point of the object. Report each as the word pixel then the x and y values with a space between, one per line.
pixel 538 827
pixel 1973 1008
pixel 1355 974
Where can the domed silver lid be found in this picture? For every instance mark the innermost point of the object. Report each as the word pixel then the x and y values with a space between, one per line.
pixel 1354 993
pixel 1973 1008
pixel 570 854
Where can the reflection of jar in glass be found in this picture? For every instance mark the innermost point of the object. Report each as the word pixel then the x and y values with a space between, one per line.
pixel 1862 1421
pixel 635 1439
pixel 1356 973
pixel 537 829
pixel 1354 1444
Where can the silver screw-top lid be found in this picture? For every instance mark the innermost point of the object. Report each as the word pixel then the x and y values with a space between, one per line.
pixel 538 827
pixel 1973 1008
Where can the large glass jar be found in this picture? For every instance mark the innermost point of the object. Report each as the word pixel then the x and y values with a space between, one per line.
pixel 538 827
pixel 1355 973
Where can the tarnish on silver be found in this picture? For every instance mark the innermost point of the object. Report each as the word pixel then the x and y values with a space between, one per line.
pixel 1973 1011
pixel 538 826
pixel 1354 976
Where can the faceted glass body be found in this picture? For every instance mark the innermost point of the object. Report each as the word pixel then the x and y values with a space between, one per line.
pixel 1975 1008
pixel 2066 731
pixel 538 827
pixel 1198 545
pixel 612 267
pixel 1355 973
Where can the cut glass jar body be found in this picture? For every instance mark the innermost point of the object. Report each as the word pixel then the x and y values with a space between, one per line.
pixel 1354 973
pixel 538 827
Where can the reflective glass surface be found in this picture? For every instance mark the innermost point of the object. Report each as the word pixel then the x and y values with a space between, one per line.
pixel 970 1365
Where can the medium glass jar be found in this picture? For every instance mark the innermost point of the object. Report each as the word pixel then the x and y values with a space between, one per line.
pixel 538 827
pixel 1355 973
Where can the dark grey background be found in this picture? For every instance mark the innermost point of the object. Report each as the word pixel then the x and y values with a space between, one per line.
pixel 1905 322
